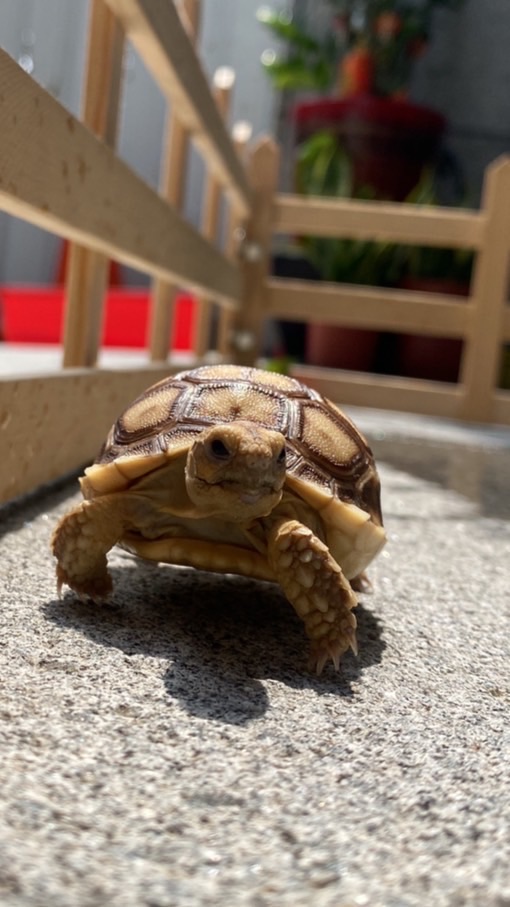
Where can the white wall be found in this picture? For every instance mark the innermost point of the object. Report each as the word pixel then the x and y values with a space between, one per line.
pixel 53 32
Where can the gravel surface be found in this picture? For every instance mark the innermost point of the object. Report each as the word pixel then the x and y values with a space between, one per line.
pixel 173 750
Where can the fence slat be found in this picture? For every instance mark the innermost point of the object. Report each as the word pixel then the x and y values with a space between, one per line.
pixel 161 40
pixel 263 168
pixel 87 270
pixel 481 359
pixel 397 222
pixel 370 307
pixel 241 135
pixel 173 180
pixel 57 175
pixel 223 82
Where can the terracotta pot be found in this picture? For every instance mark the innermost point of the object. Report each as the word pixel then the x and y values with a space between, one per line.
pixel 338 347
pixel 388 140
pixel 434 358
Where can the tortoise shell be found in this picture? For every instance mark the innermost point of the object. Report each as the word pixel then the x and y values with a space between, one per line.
pixel 324 449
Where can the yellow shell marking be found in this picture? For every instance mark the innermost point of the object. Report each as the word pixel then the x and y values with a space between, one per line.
pixel 323 436
pixel 150 411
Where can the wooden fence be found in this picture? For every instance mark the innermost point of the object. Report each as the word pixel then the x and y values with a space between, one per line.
pixel 482 320
pixel 62 174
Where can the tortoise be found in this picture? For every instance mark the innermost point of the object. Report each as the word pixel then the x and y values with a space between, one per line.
pixel 235 470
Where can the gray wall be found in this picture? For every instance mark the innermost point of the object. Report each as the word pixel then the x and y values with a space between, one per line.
pixel 52 33
pixel 466 76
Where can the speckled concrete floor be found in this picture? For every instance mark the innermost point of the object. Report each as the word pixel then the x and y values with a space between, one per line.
pixel 174 751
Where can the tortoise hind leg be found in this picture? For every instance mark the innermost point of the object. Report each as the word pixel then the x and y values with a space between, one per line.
pixel 81 541
pixel 316 588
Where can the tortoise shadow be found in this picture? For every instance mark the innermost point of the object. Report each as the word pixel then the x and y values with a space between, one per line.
pixel 222 636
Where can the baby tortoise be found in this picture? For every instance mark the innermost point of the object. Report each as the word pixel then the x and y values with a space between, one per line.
pixel 235 470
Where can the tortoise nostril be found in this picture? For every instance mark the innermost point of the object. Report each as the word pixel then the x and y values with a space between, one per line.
pixel 219 450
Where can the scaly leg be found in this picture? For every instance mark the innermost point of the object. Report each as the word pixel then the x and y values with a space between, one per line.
pixel 80 544
pixel 316 588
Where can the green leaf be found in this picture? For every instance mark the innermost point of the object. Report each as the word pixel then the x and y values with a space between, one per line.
pixel 295 73
pixel 287 30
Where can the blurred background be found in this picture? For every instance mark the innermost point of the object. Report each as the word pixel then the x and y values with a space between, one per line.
pixel 462 72
pixel 48 38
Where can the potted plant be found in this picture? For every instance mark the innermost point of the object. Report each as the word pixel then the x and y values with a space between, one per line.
pixel 362 70
pixel 370 47
pixel 324 169
pixel 361 139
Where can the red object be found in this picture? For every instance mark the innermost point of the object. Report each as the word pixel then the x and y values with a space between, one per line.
pixel 35 315
pixel 388 140
pixel 432 358
pixel 357 72
pixel 333 346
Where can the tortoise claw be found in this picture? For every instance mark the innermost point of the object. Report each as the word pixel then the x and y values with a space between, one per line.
pixel 332 652
pixel 96 589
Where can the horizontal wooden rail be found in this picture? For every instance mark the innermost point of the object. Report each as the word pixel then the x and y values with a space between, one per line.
pixel 424 224
pixel 160 38
pixel 370 307
pixel 383 391
pixel 56 174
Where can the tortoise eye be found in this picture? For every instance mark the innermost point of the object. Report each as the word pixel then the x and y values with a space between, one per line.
pixel 219 450
pixel 282 455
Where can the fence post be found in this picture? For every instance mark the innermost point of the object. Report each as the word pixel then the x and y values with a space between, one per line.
pixel 173 180
pixel 263 172
pixel 482 351
pixel 223 83
pixel 241 135
pixel 87 271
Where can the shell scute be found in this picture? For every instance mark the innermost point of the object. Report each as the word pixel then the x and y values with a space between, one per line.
pixel 226 403
pixel 149 413
pixel 324 438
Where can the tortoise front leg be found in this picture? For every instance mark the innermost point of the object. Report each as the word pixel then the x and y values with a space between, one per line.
pixel 81 541
pixel 316 588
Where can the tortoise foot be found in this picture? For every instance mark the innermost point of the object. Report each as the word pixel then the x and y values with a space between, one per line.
pixel 316 588
pixel 80 543
pixel 92 588
pixel 332 646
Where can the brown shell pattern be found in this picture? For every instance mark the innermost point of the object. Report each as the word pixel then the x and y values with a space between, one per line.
pixel 323 445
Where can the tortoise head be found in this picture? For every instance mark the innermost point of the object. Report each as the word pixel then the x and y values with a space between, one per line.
pixel 235 471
